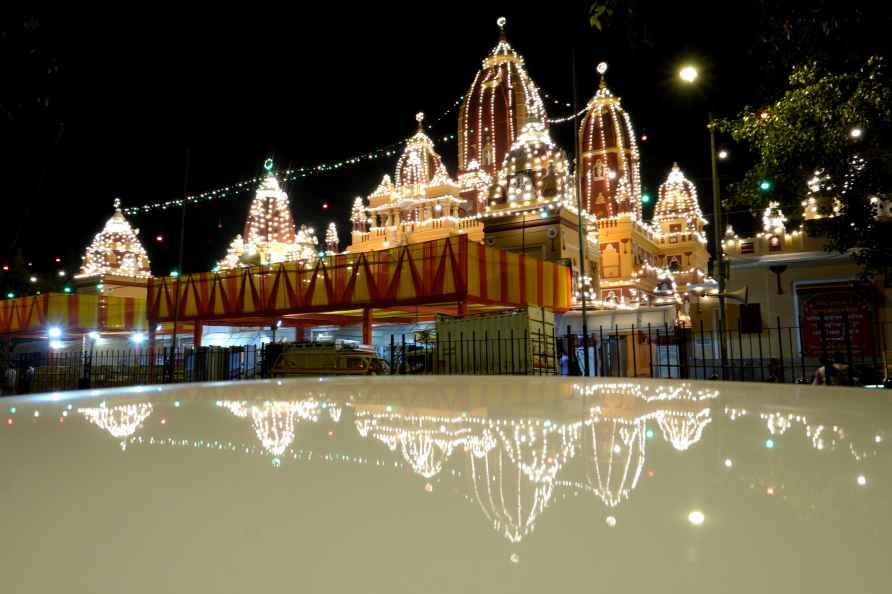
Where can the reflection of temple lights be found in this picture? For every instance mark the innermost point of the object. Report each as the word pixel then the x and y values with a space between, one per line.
pixel 696 517
pixel 862 480
pixel 121 420
pixel 683 428
pixel 611 521
pixel 728 463
pixel 823 438
pixel 425 442
pixel 778 423
pixel 508 498
pixel 273 422
pixel 674 393
pixel 769 443
pixel 612 479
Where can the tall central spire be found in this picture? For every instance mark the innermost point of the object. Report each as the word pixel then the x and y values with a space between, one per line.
pixel 501 100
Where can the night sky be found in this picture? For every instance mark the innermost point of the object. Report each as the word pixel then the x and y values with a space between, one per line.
pixel 135 91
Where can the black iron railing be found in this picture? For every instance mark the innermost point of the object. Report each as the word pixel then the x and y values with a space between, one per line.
pixel 783 354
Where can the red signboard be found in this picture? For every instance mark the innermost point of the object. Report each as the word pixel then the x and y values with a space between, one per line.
pixel 836 318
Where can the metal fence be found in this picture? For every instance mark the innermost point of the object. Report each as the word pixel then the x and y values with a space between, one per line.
pixel 783 354
pixel 771 354
pixel 27 373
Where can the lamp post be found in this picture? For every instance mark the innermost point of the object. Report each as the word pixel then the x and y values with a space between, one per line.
pixel 689 75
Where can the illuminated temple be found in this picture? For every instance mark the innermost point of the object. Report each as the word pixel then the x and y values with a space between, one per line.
pixel 516 190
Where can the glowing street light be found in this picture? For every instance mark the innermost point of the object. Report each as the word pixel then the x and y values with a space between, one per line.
pixel 856 132
pixel 54 332
pixel 723 154
pixel 137 338
pixel 688 74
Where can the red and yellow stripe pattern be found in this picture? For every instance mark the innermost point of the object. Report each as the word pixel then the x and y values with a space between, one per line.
pixel 445 270
pixel 77 312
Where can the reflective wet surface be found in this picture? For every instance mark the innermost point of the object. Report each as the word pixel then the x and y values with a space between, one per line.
pixel 448 485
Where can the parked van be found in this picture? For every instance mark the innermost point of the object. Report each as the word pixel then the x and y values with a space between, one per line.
pixel 299 358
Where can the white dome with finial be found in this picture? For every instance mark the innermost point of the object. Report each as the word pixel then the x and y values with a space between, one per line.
pixel 116 250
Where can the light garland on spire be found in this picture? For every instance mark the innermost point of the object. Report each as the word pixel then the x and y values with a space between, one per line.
pixel 116 251
pixel 608 156
pixel 332 243
pixel 501 100
pixel 269 235
pixel 773 219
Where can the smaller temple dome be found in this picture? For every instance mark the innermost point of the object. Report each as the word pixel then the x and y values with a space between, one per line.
pixel 419 164
pixel 678 200
pixel 116 251
pixel 535 170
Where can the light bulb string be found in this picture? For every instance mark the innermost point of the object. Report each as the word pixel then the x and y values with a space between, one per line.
pixel 290 173
pixel 306 171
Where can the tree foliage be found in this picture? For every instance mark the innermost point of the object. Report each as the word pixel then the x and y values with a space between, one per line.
pixel 834 124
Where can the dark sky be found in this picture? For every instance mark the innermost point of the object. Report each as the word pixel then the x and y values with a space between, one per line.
pixel 136 90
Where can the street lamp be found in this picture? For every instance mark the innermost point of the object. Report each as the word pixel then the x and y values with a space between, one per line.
pixel 689 74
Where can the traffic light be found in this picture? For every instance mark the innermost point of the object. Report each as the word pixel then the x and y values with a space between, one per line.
pixel 765 185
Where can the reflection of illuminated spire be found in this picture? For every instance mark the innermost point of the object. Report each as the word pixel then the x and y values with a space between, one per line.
pixel 618 454
pixel 121 420
pixel 273 422
pixel 425 442
pixel 539 451
pixel 334 412
pixel 237 407
pixel 824 438
pixel 510 500
pixel 683 428
pixel 779 423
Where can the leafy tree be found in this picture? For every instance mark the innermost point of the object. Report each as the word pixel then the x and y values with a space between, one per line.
pixel 835 125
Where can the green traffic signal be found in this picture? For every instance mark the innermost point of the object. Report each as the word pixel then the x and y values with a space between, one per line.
pixel 765 185
pixel 645 198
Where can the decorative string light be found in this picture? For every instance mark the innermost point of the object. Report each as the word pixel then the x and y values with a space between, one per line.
pixel 290 174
